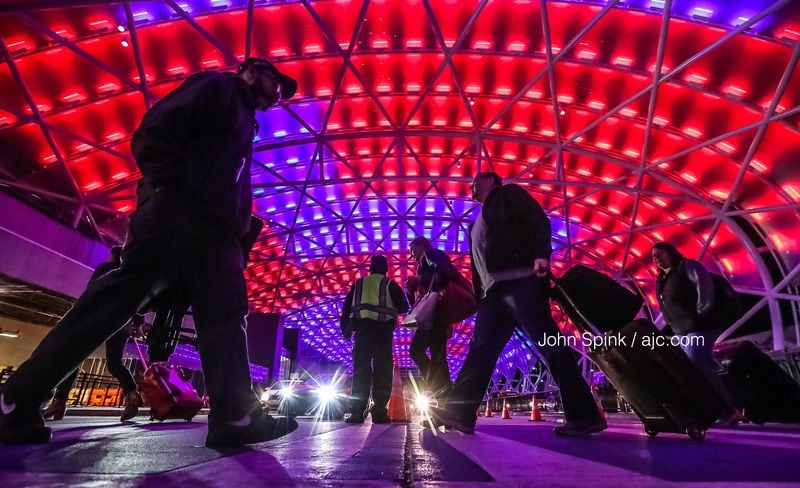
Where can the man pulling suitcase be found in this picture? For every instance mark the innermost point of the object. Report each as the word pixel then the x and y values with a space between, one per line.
pixel 510 249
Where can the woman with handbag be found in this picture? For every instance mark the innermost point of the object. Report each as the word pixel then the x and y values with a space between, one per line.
pixel 434 271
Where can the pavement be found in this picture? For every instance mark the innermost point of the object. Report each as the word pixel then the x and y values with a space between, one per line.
pixel 100 451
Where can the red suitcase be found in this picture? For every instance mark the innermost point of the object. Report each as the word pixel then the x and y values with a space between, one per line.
pixel 169 395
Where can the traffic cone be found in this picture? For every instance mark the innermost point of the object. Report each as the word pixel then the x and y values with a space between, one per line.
pixel 397 405
pixel 536 414
pixel 506 413
pixel 488 410
pixel 478 413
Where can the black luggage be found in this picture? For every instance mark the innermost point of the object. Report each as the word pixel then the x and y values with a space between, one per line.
pixel 664 388
pixel 603 302
pixel 761 387
pixel 662 385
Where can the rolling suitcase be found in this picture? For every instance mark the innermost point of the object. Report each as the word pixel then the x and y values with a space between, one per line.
pixel 169 395
pixel 603 302
pixel 761 387
pixel 663 387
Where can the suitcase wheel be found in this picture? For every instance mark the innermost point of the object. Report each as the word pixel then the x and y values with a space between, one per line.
pixel 651 432
pixel 696 433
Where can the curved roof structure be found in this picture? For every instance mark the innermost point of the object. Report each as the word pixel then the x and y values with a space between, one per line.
pixel 631 121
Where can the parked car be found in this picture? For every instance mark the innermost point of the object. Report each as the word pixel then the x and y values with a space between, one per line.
pixel 322 397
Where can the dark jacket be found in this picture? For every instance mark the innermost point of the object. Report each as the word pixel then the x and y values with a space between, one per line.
pixel 518 231
pixel 435 264
pixel 102 269
pixel 686 297
pixel 399 301
pixel 198 141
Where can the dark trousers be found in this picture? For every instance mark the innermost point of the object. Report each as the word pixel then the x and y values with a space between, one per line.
pixel 115 348
pixel 435 370
pixel 519 303
pixel 372 366
pixel 166 238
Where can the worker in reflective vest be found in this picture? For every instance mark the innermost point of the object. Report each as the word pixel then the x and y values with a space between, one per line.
pixel 370 312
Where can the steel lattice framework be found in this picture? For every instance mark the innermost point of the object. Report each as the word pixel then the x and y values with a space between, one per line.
pixel 630 121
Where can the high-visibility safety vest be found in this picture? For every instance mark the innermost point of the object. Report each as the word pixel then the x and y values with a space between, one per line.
pixel 371 299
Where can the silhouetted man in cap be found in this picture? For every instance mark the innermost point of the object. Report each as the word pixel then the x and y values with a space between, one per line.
pixel 194 149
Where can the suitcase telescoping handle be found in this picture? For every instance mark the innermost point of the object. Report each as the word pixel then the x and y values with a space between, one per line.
pixel 573 311
pixel 171 391
pixel 141 356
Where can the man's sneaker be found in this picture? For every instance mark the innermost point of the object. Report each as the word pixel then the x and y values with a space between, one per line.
pixel 581 427
pixel 256 427
pixel 451 420
pixel 21 424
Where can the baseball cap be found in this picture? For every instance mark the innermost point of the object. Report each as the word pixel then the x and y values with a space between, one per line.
pixel 288 84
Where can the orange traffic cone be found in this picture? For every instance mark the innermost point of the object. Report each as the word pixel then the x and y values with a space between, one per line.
pixel 536 414
pixel 506 413
pixel 397 405
pixel 488 410
pixel 478 413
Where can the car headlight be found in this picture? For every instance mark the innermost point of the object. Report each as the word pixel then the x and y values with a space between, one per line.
pixel 287 392
pixel 327 393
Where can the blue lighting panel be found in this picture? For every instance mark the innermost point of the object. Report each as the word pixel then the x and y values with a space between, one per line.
pixel 277 124
pixel 313 113
pixel 400 204
pixel 729 13
pixel 559 228
pixel 463 205
pixel 283 217
pixel 373 208
pixel 280 158
pixel 147 12
pixel 327 197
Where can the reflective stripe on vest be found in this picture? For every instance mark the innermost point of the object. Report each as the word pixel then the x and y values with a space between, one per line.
pixel 371 299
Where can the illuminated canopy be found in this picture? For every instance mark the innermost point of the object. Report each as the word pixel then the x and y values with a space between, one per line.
pixel 630 121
